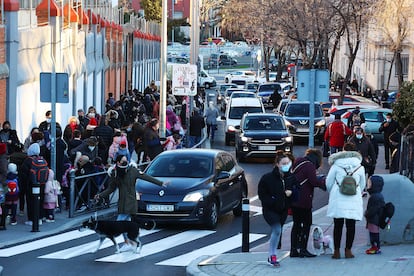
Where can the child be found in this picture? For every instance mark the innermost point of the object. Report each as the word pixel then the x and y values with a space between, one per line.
pixel 51 197
pixel 373 213
pixel 12 193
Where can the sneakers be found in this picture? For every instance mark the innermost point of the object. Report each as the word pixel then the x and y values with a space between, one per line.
pixel 272 260
pixel 50 219
pixel 126 247
pixel 29 222
pixel 13 221
pixel 373 250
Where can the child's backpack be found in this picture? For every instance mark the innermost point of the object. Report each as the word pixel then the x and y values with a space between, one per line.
pixel 348 184
pixel 12 190
pixel 386 214
pixel 39 171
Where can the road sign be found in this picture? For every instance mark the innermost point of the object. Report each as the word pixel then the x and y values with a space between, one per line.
pixel 313 81
pixel 184 79
pixel 62 87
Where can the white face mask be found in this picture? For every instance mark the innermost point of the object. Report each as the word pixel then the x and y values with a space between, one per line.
pixel 359 136
pixel 48 120
pixel 91 114
pixel 388 120
pixel 91 148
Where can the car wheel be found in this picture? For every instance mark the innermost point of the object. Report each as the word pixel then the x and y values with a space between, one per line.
pixel 226 80
pixel 238 210
pixel 212 215
pixel 207 85
pixel 239 156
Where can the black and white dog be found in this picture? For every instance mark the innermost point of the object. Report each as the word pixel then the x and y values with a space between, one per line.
pixel 111 229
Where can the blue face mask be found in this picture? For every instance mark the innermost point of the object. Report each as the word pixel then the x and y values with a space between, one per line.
pixel 359 136
pixel 285 168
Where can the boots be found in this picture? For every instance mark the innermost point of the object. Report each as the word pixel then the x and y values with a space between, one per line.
pixel 303 252
pixel 336 254
pixel 294 253
pixel 348 253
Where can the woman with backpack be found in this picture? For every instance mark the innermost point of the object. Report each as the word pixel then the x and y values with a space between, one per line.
pixel 342 207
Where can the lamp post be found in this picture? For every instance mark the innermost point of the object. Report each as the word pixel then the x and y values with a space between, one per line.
pixel 259 59
pixel 172 20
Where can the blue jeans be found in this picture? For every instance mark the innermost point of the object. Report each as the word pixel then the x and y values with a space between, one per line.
pixel 335 149
pixel 211 129
pixel 276 230
pixel 194 140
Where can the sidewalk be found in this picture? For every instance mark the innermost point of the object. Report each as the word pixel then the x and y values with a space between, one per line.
pixel 394 260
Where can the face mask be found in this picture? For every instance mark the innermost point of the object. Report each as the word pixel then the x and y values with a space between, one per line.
pixel 91 114
pixel 91 148
pixel 286 168
pixel 359 136
pixel 388 120
pixel 48 120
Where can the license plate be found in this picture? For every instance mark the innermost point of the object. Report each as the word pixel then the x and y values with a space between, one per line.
pixel 267 148
pixel 160 208
pixel 302 130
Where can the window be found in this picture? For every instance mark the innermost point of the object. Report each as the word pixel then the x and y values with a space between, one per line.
pixel 405 65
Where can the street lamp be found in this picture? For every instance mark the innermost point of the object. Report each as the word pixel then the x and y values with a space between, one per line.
pixel 172 20
pixel 259 59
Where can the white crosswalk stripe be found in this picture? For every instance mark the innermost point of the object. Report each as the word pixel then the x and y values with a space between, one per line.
pixel 213 249
pixel 88 247
pixel 158 246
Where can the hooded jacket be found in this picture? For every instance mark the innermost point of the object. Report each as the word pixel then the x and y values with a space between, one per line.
pixel 339 205
pixel 376 200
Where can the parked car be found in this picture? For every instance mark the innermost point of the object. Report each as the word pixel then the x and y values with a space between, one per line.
pixel 240 77
pixel 373 120
pixel 261 135
pixel 202 184
pixel 343 109
pixel 176 59
pixel 297 119
pixel 206 80
pixel 265 90
pixel 235 110
pixel 221 59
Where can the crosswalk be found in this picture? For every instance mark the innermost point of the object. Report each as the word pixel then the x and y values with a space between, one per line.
pixel 188 239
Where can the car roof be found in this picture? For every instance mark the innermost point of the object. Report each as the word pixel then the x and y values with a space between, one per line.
pixel 375 109
pixel 203 152
pixel 246 102
pixel 263 115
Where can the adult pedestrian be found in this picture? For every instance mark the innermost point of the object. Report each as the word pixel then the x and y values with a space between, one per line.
pixel 335 134
pixel 152 141
pixel 197 124
pixel 83 120
pixel 9 136
pixel 211 115
pixel 273 193
pixel 345 208
pixel 365 148
pixel 388 127
pixel 124 176
pixel 356 118
pixel 88 148
pixel 305 171
pixel 275 98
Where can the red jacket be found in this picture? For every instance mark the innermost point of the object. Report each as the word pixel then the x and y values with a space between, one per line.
pixel 335 133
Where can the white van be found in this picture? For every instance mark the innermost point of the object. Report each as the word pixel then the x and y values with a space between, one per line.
pixel 205 80
pixel 235 111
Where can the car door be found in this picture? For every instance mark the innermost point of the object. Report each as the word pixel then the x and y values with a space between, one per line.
pixel 225 187
pixel 373 120
pixel 234 181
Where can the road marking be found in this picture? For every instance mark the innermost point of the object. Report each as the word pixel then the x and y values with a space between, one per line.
pixel 258 210
pixel 213 249
pixel 158 246
pixel 89 247
pixel 34 245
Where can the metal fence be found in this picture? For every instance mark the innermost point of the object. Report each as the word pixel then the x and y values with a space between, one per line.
pixel 407 156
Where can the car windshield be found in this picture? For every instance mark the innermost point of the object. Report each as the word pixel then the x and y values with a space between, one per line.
pixel 242 95
pixel 269 87
pixel 302 110
pixel 237 112
pixel 181 166
pixel 262 123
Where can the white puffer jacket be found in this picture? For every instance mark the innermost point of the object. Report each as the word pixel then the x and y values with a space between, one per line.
pixel 345 206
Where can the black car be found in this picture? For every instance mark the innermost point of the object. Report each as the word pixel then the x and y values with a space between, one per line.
pixel 221 59
pixel 261 135
pixel 265 90
pixel 202 184
pixel 297 119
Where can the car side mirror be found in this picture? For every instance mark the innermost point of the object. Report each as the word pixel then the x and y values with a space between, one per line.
pixel 223 175
pixel 237 127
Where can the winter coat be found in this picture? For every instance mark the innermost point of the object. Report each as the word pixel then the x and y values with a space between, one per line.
pixel 271 192
pixel 306 171
pixel 375 203
pixel 339 205
pixel 12 198
pixel 211 115
pixel 51 192
pixel 127 201
pixel 391 127
pixel 152 143
pixel 367 150
pixel 336 132
pixel 196 124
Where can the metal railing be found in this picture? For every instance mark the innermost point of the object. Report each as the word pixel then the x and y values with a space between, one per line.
pixel 407 156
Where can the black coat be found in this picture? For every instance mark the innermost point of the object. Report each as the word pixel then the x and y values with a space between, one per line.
pixel 196 125
pixel 271 192
pixel 389 129
pixel 375 203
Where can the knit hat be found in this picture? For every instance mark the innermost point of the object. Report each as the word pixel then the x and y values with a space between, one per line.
pixel 34 149
pixel 12 168
pixel 83 160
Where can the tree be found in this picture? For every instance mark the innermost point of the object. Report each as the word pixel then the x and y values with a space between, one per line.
pixel 152 9
pixel 403 108
pixel 394 19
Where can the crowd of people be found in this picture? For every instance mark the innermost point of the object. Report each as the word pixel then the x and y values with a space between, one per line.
pixel 90 142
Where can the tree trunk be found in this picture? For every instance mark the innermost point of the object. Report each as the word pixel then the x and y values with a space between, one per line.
pixel 398 67
pixel 390 71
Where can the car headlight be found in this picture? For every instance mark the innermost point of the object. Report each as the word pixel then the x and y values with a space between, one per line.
pixel 321 123
pixel 245 139
pixel 196 196
pixel 287 139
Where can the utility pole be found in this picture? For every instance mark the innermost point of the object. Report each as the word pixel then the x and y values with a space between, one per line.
pixel 163 68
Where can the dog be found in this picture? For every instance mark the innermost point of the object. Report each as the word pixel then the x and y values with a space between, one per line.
pixel 321 243
pixel 111 229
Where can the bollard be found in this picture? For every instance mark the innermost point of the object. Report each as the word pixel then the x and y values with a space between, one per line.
pixel 245 224
pixel 36 207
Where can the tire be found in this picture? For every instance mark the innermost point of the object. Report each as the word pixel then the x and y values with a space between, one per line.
pixel 212 215
pixel 226 80
pixel 227 140
pixel 206 85
pixel 238 211
pixel 239 156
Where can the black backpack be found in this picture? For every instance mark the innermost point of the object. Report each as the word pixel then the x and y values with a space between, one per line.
pixel 39 171
pixel 386 214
